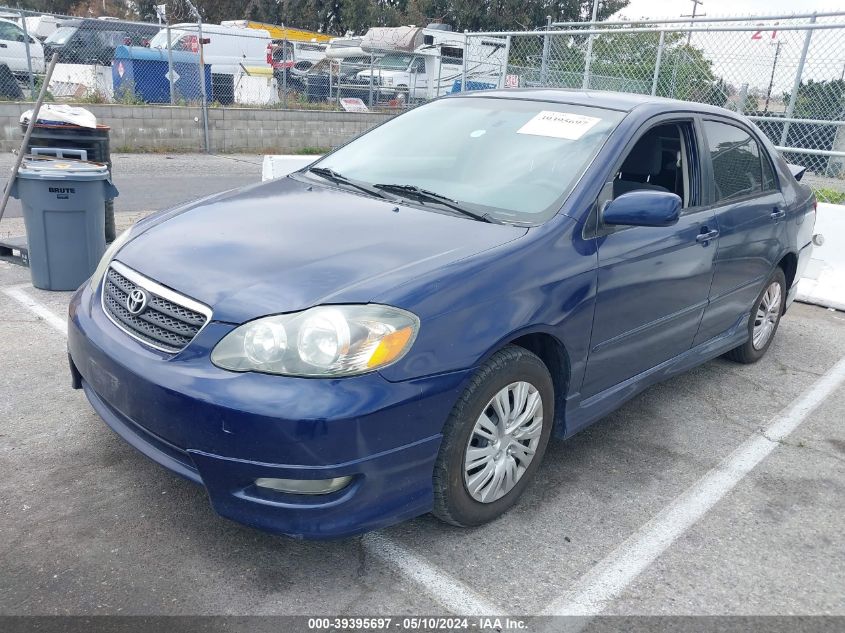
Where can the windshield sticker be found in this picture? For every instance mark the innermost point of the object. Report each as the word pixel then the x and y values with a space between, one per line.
pixel 559 125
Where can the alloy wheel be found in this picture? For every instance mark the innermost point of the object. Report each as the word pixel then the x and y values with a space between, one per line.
pixel 768 313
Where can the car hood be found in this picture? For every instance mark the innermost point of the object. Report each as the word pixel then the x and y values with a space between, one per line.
pixel 284 246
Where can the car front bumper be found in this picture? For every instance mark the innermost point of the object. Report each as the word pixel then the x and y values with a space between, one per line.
pixel 224 429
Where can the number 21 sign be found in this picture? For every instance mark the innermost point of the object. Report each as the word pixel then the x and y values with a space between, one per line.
pixel 764 34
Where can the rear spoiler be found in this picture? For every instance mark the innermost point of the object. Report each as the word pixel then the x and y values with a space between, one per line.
pixel 797 171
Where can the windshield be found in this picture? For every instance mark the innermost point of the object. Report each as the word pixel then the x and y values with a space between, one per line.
pixel 515 159
pixel 395 62
pixel 61 35
pixel 160 39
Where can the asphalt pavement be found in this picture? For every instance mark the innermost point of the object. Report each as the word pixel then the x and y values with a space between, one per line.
pixel 150 182
pixel 90 526
pixel 718 492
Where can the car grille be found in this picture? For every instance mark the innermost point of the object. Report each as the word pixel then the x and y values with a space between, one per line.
pixel 164 324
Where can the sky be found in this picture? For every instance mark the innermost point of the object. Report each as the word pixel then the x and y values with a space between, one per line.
pixel 674 8
pixel 739 59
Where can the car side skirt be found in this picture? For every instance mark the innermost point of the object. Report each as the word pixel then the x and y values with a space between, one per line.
pixel 582 413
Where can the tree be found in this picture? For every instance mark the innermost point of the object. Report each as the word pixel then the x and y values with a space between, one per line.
pixel 621 60
pixel 340 16
pixel 53 6
pixel 819 99
pixel 146 10
pixel 685 72
pixel 507 15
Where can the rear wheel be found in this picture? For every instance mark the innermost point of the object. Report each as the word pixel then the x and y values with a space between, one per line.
pixel 494 439
pixel 763 321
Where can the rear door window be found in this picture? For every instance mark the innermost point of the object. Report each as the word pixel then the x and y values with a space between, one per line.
pixel 769 182
pixel 737 162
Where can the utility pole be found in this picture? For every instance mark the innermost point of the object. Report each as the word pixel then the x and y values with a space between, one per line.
pixel 695 4
pixel 772 78
pixel 589 55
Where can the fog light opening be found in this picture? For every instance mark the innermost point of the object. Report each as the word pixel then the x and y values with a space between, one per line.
pixel 304 486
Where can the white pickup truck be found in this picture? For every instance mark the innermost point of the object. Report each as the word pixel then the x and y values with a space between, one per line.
pixel 13 49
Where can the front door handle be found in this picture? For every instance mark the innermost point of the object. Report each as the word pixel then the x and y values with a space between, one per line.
pixel 778 214
pixel 706 235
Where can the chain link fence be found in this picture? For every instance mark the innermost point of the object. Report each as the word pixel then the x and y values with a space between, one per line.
pixel 237 63
pixel 786 73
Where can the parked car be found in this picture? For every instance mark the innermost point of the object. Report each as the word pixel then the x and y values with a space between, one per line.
pixel 93 41
pixel 400 327
pixel 13 45
pixel 324 79
pixel 294 77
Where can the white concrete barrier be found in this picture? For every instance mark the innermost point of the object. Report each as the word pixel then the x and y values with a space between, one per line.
pixel 278 165
pixel 76 81
pixel 823 282
pixel 256 91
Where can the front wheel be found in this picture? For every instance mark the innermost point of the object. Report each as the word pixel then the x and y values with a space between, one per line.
pixel 763 321
pixel 494 439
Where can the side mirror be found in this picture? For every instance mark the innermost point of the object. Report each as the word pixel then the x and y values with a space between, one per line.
pixel 643 208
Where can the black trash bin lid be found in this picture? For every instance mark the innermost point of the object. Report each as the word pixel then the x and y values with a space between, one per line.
pixel 38 168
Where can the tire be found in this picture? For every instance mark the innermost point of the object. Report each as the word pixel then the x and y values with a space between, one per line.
pixel 111 231
pixel 773 294
pixel 506 372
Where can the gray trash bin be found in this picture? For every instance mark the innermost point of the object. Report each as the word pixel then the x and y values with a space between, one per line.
pixel 64 212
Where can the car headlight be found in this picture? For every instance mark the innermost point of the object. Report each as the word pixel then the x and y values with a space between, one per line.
pixel 111 251
pixel 342 340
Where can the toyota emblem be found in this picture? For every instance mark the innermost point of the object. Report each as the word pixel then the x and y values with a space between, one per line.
pixel 136 301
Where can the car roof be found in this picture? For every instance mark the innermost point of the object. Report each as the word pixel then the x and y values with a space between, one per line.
pixel 107 25
pixel 622 101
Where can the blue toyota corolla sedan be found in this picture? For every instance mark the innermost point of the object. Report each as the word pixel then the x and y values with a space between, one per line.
pixel 400 328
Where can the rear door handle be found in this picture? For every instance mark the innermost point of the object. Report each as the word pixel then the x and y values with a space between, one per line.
pixel 777 214
pixel 3 46
pixel 706 236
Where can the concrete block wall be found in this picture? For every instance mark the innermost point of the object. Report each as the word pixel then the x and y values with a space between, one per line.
pixel 178 128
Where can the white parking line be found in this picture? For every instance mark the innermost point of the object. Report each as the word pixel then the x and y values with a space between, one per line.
pixel 442 587
pixel 609 578
pixel 36 307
